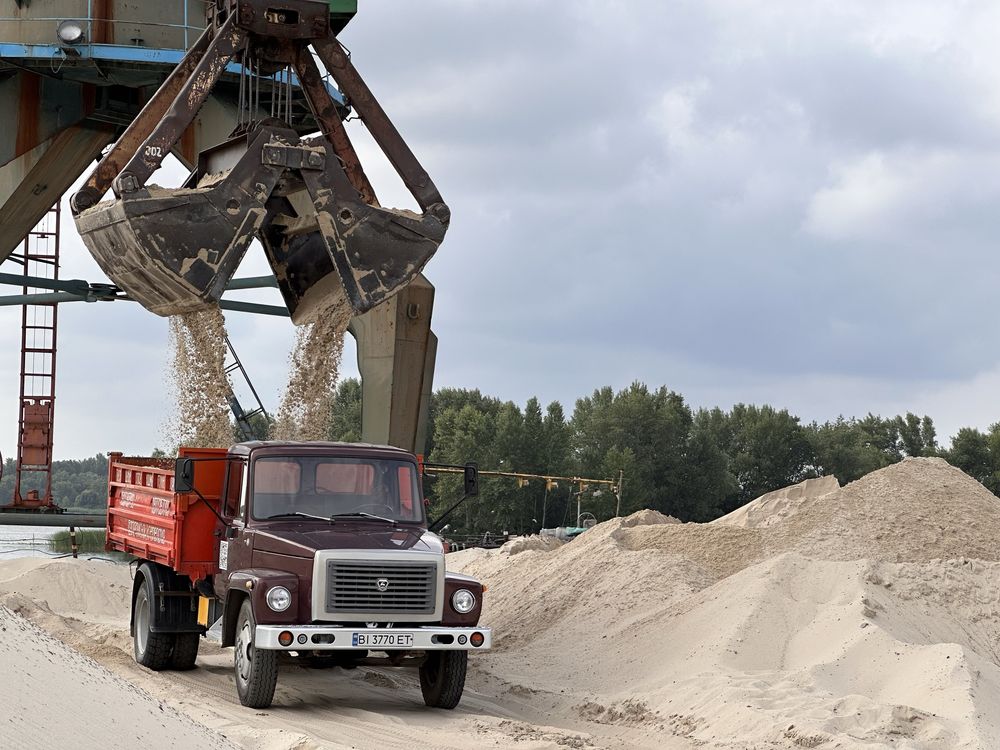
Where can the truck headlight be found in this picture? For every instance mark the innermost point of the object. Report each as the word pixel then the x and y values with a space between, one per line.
pixel 279 598
pixel 463 601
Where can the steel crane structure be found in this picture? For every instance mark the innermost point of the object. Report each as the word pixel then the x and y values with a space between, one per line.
pixel 231 87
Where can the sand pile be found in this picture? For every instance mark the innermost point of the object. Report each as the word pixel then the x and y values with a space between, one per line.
pixel 532 543
pixel 918 510
pixel 774 507
pixel 93 590
pixel 53 696
pixel 199 381
pixel 306 406
pixel 819 617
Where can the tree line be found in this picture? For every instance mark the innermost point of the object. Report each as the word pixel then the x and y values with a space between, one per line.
pixel 76 484
pixel 693 464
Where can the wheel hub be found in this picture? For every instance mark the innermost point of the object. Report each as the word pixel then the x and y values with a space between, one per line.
pixel 244 644
pixel 141 620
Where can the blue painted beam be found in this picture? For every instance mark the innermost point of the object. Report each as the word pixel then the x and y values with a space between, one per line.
pixel 118 53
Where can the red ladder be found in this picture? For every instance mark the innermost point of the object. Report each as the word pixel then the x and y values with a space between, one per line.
pixel 38 372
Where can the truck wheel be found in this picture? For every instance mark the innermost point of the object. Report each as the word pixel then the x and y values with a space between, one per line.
pixel 256 670
pixel 442 678
pixel 185 651
pixel 152 650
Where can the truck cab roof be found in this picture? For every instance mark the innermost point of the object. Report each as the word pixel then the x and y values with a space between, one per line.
pixel 305 447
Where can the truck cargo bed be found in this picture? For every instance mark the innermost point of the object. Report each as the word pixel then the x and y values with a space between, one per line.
pixel 146 518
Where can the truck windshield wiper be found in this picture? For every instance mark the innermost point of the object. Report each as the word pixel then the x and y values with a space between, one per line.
pixel 362 514
pixel 294 514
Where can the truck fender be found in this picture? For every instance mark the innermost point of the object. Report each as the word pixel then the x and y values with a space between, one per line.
pixel 253 584
pixel 174 603
pixel 234 600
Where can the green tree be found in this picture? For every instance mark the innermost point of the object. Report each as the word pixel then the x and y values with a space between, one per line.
pixel 768 450
pixel 556 440
pixel 845 449
pixel 345 424
pixel 707 481
pixel 655 429
pixel 971 452
pixel 917 435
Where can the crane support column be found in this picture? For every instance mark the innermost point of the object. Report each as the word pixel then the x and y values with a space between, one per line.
pixel 396 353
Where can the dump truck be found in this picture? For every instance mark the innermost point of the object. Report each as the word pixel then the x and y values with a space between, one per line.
pixel 317 551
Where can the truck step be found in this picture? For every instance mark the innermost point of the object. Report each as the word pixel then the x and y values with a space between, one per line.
pixel 214 633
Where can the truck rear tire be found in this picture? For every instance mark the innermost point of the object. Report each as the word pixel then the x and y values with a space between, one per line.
pixel 256 670
pixel 185 651
pixel 442 678
pixel 152 650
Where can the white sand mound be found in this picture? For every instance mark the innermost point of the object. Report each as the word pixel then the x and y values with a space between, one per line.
pixel 98 592
pixel 774 507
pixel 54 697
pixel 646 518
pixel 821 617
pixel 533 543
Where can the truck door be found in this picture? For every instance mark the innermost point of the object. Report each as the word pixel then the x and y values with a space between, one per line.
pixel 235 542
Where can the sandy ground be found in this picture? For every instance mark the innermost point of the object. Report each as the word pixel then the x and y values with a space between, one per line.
pixel 85 604
pixel 863 617
pixel 84 705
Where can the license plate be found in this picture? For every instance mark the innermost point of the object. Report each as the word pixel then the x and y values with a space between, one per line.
pixel 383 640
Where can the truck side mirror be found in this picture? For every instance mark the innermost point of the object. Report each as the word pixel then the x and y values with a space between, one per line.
pixel 471 480
pixel 183 475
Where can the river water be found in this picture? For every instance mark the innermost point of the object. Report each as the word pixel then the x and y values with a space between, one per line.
pixel 25 541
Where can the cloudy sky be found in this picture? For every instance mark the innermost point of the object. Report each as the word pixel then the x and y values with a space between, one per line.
pixel 785 202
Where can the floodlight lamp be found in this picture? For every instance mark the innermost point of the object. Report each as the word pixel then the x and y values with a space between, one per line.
pixel 70 32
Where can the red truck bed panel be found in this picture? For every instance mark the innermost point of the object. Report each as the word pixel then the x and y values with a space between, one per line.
pixel 146 518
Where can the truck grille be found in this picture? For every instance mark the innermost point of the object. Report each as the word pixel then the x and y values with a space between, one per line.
pixel 376 588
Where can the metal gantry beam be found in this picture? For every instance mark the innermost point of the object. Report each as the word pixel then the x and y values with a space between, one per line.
pixel 64 520
pixel 582 482
pixel 551 481
pixel 77 290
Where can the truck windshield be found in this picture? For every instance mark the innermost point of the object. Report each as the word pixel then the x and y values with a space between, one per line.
pixel 324 487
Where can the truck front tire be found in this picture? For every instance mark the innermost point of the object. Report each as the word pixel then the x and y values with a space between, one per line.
pixel 442 678
pixel 152 650
pixel 256 670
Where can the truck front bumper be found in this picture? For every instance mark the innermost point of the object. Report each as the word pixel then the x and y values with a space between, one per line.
pixel 334 638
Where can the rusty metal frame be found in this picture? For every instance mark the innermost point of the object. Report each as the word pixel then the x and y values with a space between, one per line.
pixel 185 107
pixel 361 98
pixel 373 250
pixel 99 181
pixel 327 115
pixel 37 395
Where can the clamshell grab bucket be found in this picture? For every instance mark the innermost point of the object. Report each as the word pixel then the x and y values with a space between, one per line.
pixel 172 251
pixel 175 250
pixel 308 201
